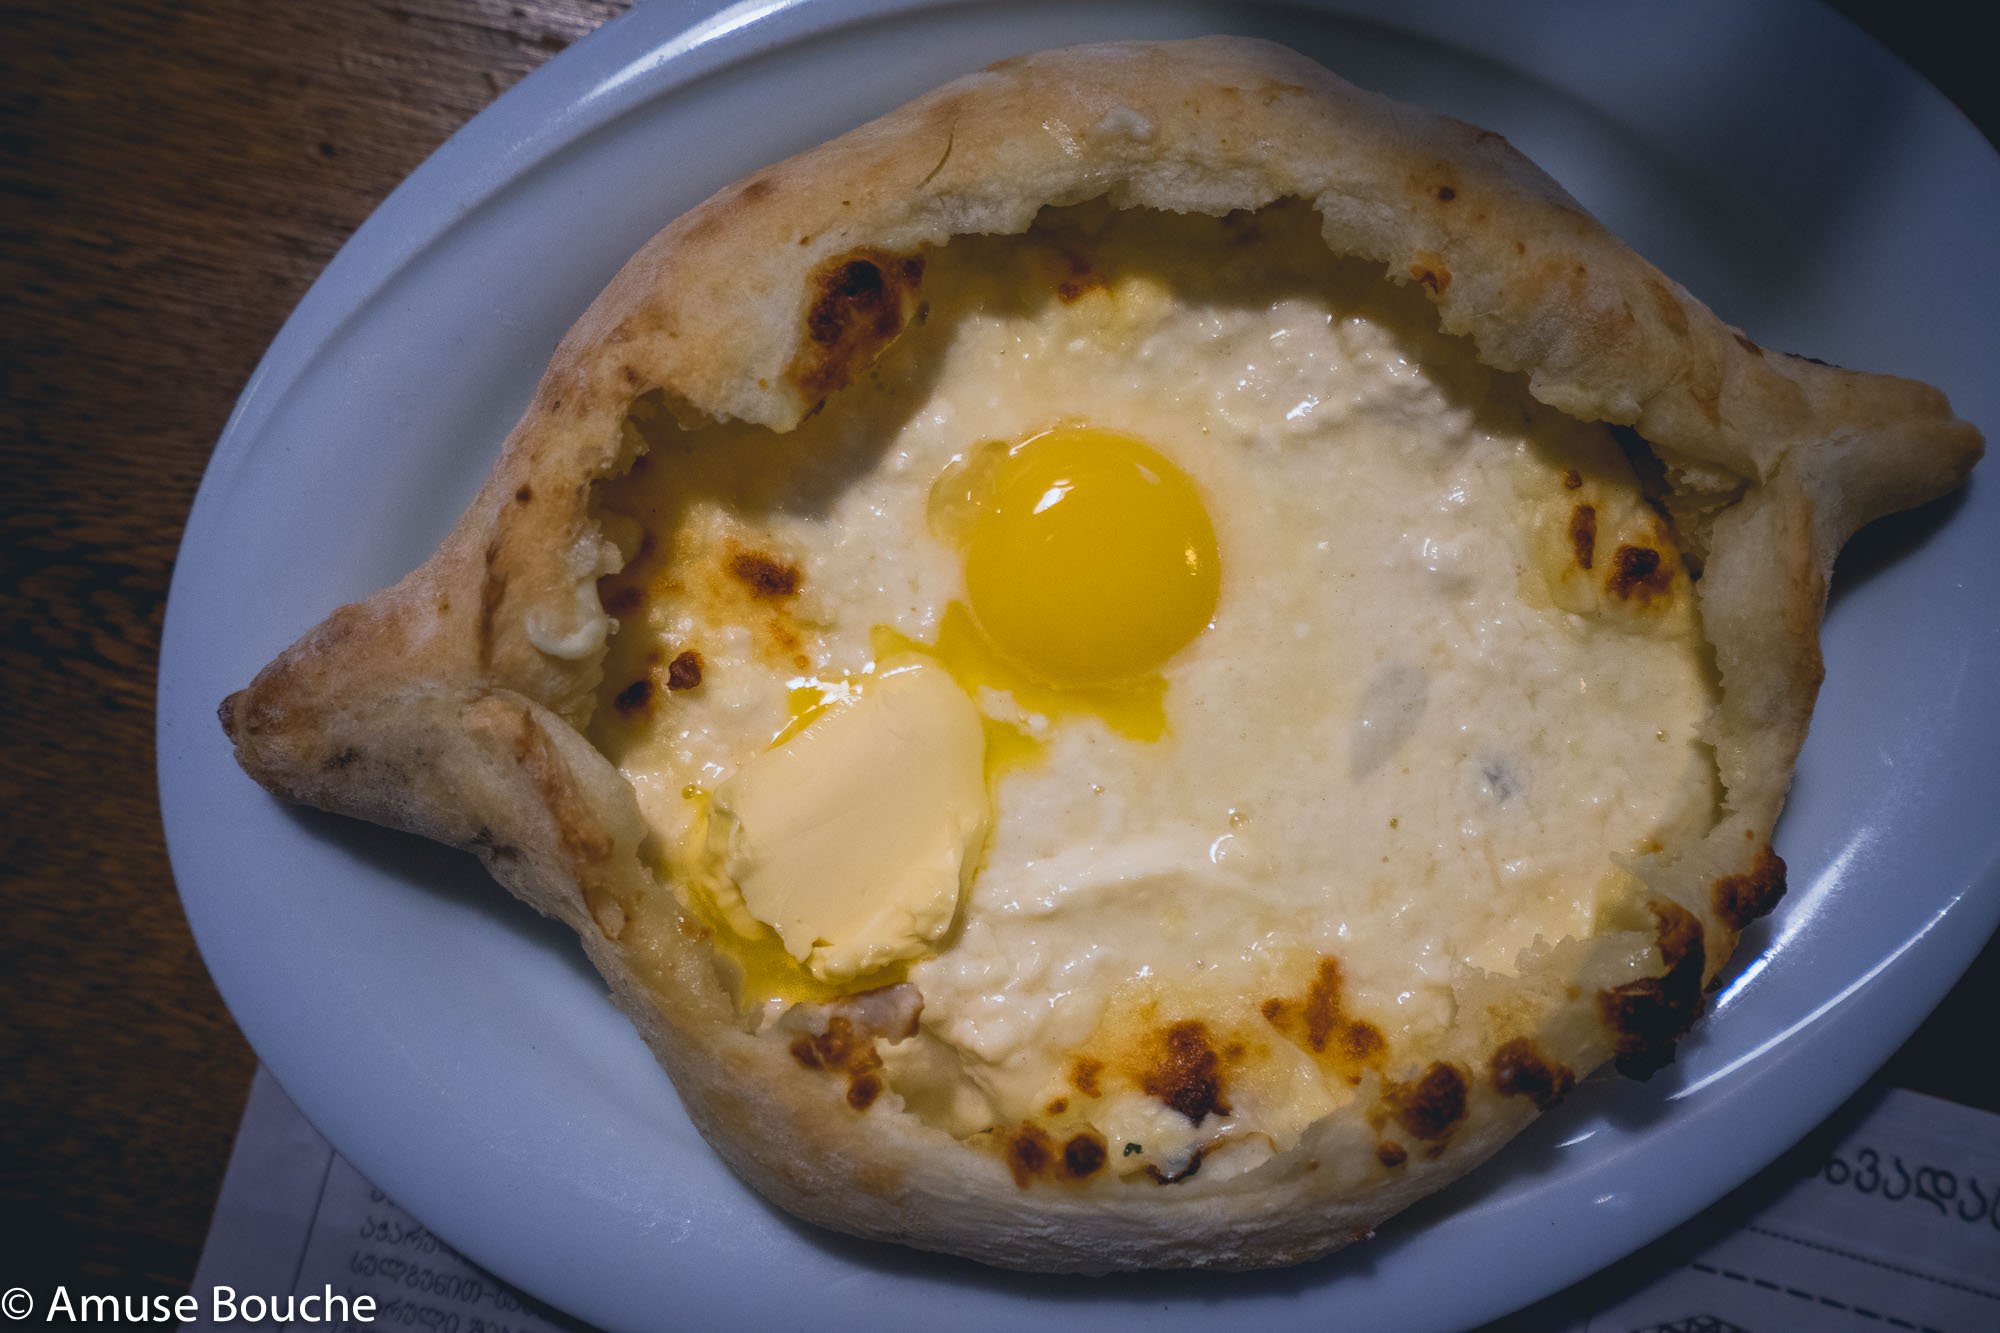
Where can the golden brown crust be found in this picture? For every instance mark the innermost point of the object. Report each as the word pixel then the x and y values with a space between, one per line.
pixel 450 703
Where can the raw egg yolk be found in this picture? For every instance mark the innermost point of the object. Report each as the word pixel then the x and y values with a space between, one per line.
pixel 1090 558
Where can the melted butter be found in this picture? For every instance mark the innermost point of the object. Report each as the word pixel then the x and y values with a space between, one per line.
pixel 851 836
pixel 757 969
pixel 1134 709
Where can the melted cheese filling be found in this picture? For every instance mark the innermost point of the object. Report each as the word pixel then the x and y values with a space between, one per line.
pixel 1453 674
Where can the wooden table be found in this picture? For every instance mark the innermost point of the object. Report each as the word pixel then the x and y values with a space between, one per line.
pixel 172 177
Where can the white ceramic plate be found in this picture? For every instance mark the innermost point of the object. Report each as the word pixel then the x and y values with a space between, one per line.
pixel 461 1052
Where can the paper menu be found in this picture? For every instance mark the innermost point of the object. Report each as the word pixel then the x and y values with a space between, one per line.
pixel 1888 1219
pixel 294 1217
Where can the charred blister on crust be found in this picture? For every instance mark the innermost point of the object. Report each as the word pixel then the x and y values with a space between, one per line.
pixel 1429 1108
pixel 1668 306
pixel 1740 899
pixel 1520 1069
pixel 1429 271
pixel 492 590
pixel 858 303
pixel 1647 1017
pixel 1186 1074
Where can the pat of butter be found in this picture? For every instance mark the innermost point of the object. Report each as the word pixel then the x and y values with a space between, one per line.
pixel 851 839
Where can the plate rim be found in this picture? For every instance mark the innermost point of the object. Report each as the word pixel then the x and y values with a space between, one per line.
pixel 494 140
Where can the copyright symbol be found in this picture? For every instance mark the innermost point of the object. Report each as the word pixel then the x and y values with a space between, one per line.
pixel 18 1303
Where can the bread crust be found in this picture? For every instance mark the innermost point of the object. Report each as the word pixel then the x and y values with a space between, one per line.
pixel 452 704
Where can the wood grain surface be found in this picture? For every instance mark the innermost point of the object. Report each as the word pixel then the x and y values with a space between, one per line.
pixel 172 177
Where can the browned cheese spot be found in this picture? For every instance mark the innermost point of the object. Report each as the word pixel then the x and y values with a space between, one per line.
pixel 1391 1153
pixel 1647 1017
pixel 1583 534
pixel 1082 280
pixel 1083 1075
pixel 764 576
pixel 1194 1165
pixel 842 1050
pixel 1638 572
pixel 619 598
pixel 1572 480
pixel 1319 1023
pixel 1361 1042
pixel 1428 1108
pixel 1056 1106
pixel 858 305
pixel 1446 194
pixel 1521 1070
pixel 1029 1153
pixel 1741 899
pixel 1187 1076
pixel 1083 1155
pixel 636 697
pixel 684 672
pixel 1322 1009
pixel 862 1090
